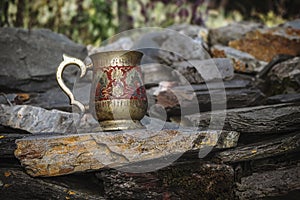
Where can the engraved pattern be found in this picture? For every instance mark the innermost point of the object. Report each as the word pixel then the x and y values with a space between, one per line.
pixel 119 82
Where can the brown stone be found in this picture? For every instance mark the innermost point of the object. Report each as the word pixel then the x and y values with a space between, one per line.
pixel 57 155
pixel 265 44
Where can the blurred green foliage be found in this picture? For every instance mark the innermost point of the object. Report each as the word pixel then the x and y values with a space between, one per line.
pixel 85 21
pixel 92 21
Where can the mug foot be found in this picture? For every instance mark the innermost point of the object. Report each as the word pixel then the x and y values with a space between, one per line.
pixel 114 125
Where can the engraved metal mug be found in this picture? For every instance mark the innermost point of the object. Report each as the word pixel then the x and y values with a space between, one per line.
pixel 118 97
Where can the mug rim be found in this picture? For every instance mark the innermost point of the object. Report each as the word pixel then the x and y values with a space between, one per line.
pixel 117 52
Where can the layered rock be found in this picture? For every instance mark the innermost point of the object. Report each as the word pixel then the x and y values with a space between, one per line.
pixel 261 119
pixel 53 155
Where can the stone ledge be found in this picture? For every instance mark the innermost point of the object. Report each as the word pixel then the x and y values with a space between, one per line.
pixel 44 155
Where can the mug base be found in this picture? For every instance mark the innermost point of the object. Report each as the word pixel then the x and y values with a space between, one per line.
pixel 114 125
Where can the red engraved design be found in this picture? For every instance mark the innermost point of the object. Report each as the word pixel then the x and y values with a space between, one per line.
pixel 120 82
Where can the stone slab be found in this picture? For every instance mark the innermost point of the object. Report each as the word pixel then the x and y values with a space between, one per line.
pixel 37 120
pixel 46 155
pixel 265 149
pixel 259 119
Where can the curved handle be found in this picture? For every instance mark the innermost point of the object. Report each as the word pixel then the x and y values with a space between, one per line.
pixel 83 68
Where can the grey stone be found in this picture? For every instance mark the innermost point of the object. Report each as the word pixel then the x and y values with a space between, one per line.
pixel 193 31
pixel 295 24
pixel 155 73
pixel 260 119
pixel 285 77
pixel 178 47
pixel 284 98
pixel 29 58
pixel 37 120
pixel 123 43
pixel 242 61
pixel 270 184
pixel 270 148
pixel 201 71
pixel 168 46
pixel 233 31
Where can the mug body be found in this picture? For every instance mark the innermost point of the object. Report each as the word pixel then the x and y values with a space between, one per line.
pixel 118 97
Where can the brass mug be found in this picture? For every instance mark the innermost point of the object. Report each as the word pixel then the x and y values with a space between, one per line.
pixel 118 97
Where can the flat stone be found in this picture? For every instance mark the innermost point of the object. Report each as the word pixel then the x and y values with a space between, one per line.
pixel 265 149
pixel 260 119
pixel 284 98
pixel 29 59
pixel 49 155
pixel 264 44
pixel 181 100
pixel 242 61
pixel 201 71
pixel 37 120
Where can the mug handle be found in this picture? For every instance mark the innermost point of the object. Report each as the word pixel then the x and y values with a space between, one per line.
pixel 67 60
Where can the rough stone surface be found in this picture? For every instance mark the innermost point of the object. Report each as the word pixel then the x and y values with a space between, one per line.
pixel 265 44
pixel 43 100
pixel 239 92
pixel 37 120
pixel 29 59
pixel 269 183
pixel 168 46
pixel 285 77
pixel 284 98
pixel 275 147
pixel 178 47
pixel 261 119
pixel 59 155
pixel 242 61
pixel 155 73
pixel 233 31
pixel 201 71
pixel 191 180
pixel 193 31
pixel 18 185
